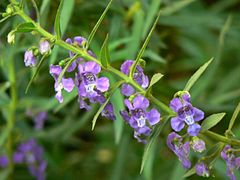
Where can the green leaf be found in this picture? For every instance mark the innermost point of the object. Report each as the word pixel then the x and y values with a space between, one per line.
pixel 212 120
pixel 25 27
pixel 190 172
pixel 234 116
pixel 153 139
pixel 99 112
pixel 36 72
pixel 196 75
pixel 57 27
pixel 178 5
pixel 98 23
pixel 152 11
pixel 104 53
pixel 133 67
pixel 155 79
pixel 115 86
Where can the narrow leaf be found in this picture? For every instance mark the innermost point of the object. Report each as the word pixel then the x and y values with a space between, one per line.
pixel 234 116
pixel 190 172
pixel 196 75
pixel 99 112
pixel 104 53
pixel 35 73
pixel 25 27
pixel 57 27
pixel 212 120
pixel 37 11
pixel 155 79
pixel 98 23
pixel 115 86
pixel 133 67
pixel 66 67
pixel 153 139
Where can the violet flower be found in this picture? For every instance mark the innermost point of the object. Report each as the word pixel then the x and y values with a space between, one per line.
pixel 66 83
pixel 202 169
pixel 231 161
pixel 138 76
pixel 31 153
pixel 108 112
pixel 139 118
pixel 197 144
pixel 4 161
pixel 39 119
pixel 89 85
pixel 186 114
pixel 79 42
pixel 29 58
pixel 174 142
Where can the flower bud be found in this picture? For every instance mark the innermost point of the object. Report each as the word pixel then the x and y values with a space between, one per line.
pixel 44 47
pixel 197 144
pixel 11 37
pixel 202 169
pixel 29 58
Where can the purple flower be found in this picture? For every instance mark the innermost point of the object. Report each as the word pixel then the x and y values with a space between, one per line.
pixel 108 112
pixel 29 58
pixel 3 161
pixel 197 144
pixel 66 83
pixel 138 117
pixel 174 142
pixel 44 47
pixel 231 161
pixel 186 114
pixel 89 85
pixel 79 42
pixel 39 119
pixel 138 76
pixel 202 169
pixel 31 154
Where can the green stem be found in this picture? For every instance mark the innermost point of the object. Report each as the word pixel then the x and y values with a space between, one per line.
pixel 221 138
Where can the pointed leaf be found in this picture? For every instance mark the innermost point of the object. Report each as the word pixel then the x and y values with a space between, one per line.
pixel 104 53
pixel 36 72
pixel 133 67
pixel 234 116
pixel 57 27
pixel 196 75
pixel 190 172
pixel 25 27
pixel 155 79
pixel 98 23
pixel 212 120
pixel 115 86
pixel 153 139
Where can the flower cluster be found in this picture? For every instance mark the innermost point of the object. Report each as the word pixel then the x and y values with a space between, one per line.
pixel 91 88
pixel 139 118
pixel 186 114
pixel 176 143
pixel 31 154
pixel 232 162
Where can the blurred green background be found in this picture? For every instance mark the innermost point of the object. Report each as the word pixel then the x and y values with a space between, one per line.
pixel 188 34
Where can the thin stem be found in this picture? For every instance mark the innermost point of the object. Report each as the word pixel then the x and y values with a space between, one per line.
pixel 221 138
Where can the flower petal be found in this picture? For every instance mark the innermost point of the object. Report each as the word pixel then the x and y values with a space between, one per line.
pixel 125 67
pixel 102 84
pixel 59 97
pixel 72 66
pixel 175 104
pixel 145 82
pixel 68 84
pixel 198 114
pixel 153 116
pixel 128 104
pixel 127 90
pixel 81 90
pixel 125 115
pixel 144 130
pixel 177 124
pixel 55 71
pixel 194 129
pixel 140 102
pixel 92 67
